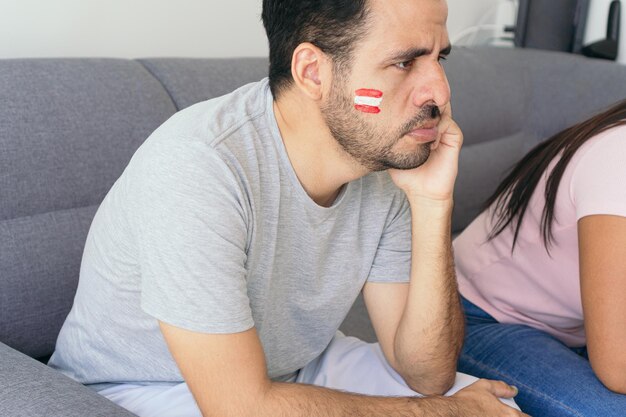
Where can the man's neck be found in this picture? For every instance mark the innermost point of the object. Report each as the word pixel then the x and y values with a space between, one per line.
pixel 321 165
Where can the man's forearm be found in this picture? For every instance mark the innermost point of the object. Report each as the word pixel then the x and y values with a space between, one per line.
pixel 430 333
pixel 295 400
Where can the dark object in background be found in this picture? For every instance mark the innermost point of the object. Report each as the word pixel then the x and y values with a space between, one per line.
pixel 607 48
pixel 555 25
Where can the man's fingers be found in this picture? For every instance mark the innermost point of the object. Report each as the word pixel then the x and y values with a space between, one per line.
pixel 501 389
pixel 450 134
pixel 446 110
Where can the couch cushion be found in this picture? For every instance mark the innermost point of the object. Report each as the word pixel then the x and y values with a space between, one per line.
pixel 68 128
pixel 490 93
pixel 190 81
pixel 567 89
pixel 481 168
pixel 507 100
pixel 31 389
pixel 40 257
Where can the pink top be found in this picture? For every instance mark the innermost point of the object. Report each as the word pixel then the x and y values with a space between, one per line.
pixel 529 286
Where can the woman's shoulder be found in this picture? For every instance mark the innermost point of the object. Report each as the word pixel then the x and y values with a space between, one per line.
pixel 603 154
pixel 599 173
pixel 606 141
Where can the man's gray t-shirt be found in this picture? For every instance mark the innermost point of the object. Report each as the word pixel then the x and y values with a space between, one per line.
pixel 209 229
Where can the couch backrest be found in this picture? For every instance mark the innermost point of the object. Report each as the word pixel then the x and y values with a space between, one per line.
pixel 508 100
pixel 69 127
pixel 190 81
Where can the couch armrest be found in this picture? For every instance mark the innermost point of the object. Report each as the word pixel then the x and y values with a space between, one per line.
pixel 31 389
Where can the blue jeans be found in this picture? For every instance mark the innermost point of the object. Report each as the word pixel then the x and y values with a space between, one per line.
pixel 553 379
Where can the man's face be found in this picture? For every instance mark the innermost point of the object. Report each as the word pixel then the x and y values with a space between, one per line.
pixel 399 57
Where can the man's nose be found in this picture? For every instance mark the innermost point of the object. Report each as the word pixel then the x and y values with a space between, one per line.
pixel 431 87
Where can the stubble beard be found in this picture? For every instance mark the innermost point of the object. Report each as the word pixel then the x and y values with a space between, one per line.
pixel 371 146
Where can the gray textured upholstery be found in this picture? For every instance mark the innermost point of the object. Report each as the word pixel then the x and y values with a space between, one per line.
pixel 490 93
pixel 68 127
pixel 190 81
pixel 31 389
pixel 507 100
pixel 40 255
pixel 76 121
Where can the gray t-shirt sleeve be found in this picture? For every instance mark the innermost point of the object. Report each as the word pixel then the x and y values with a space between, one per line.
pixel 392 262
pixel 192 234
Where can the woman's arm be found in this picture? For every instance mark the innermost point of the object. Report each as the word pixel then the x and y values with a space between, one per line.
pixel 602 251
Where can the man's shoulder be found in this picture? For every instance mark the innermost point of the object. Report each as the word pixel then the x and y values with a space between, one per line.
pixel 215 120
pixel 222 129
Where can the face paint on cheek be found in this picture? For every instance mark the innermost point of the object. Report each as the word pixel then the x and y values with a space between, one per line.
pixel 368 100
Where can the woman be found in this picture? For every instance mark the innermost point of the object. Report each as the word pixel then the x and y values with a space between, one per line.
pixel 542 272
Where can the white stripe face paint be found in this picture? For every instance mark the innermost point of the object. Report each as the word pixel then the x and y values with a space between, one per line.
pixel 368 100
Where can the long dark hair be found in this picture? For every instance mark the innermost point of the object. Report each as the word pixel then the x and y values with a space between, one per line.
pixel 511 198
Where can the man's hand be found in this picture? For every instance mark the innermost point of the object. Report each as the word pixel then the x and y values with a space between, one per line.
pixel 482 399
pixel 434 180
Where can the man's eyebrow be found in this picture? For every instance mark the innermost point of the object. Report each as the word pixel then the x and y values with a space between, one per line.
pixel 413 53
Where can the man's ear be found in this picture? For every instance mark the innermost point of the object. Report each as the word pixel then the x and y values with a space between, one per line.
pixel 310 69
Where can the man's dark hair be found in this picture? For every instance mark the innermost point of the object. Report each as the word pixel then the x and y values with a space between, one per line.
pixel 334 26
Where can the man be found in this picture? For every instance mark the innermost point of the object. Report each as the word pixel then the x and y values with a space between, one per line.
pixel 235 242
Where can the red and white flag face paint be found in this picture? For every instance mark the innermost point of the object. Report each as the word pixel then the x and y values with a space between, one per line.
pixel 368 100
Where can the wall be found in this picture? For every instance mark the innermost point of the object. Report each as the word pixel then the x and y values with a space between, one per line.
pixel 131 28
pixel 196 28
pixel 467 21
pixel 468 13
pixel 596 25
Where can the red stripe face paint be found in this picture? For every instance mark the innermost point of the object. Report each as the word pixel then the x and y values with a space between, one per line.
pixel 368 100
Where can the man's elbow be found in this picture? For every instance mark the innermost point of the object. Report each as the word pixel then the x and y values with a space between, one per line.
pixel 426 375
pixel 432 385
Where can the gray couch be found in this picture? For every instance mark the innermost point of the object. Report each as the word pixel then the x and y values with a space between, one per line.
pixel 68 127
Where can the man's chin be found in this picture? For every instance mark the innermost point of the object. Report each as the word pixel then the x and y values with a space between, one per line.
pixel 406 162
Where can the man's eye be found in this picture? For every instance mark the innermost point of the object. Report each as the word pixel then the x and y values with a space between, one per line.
pixel 443 58
pixel 404 65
